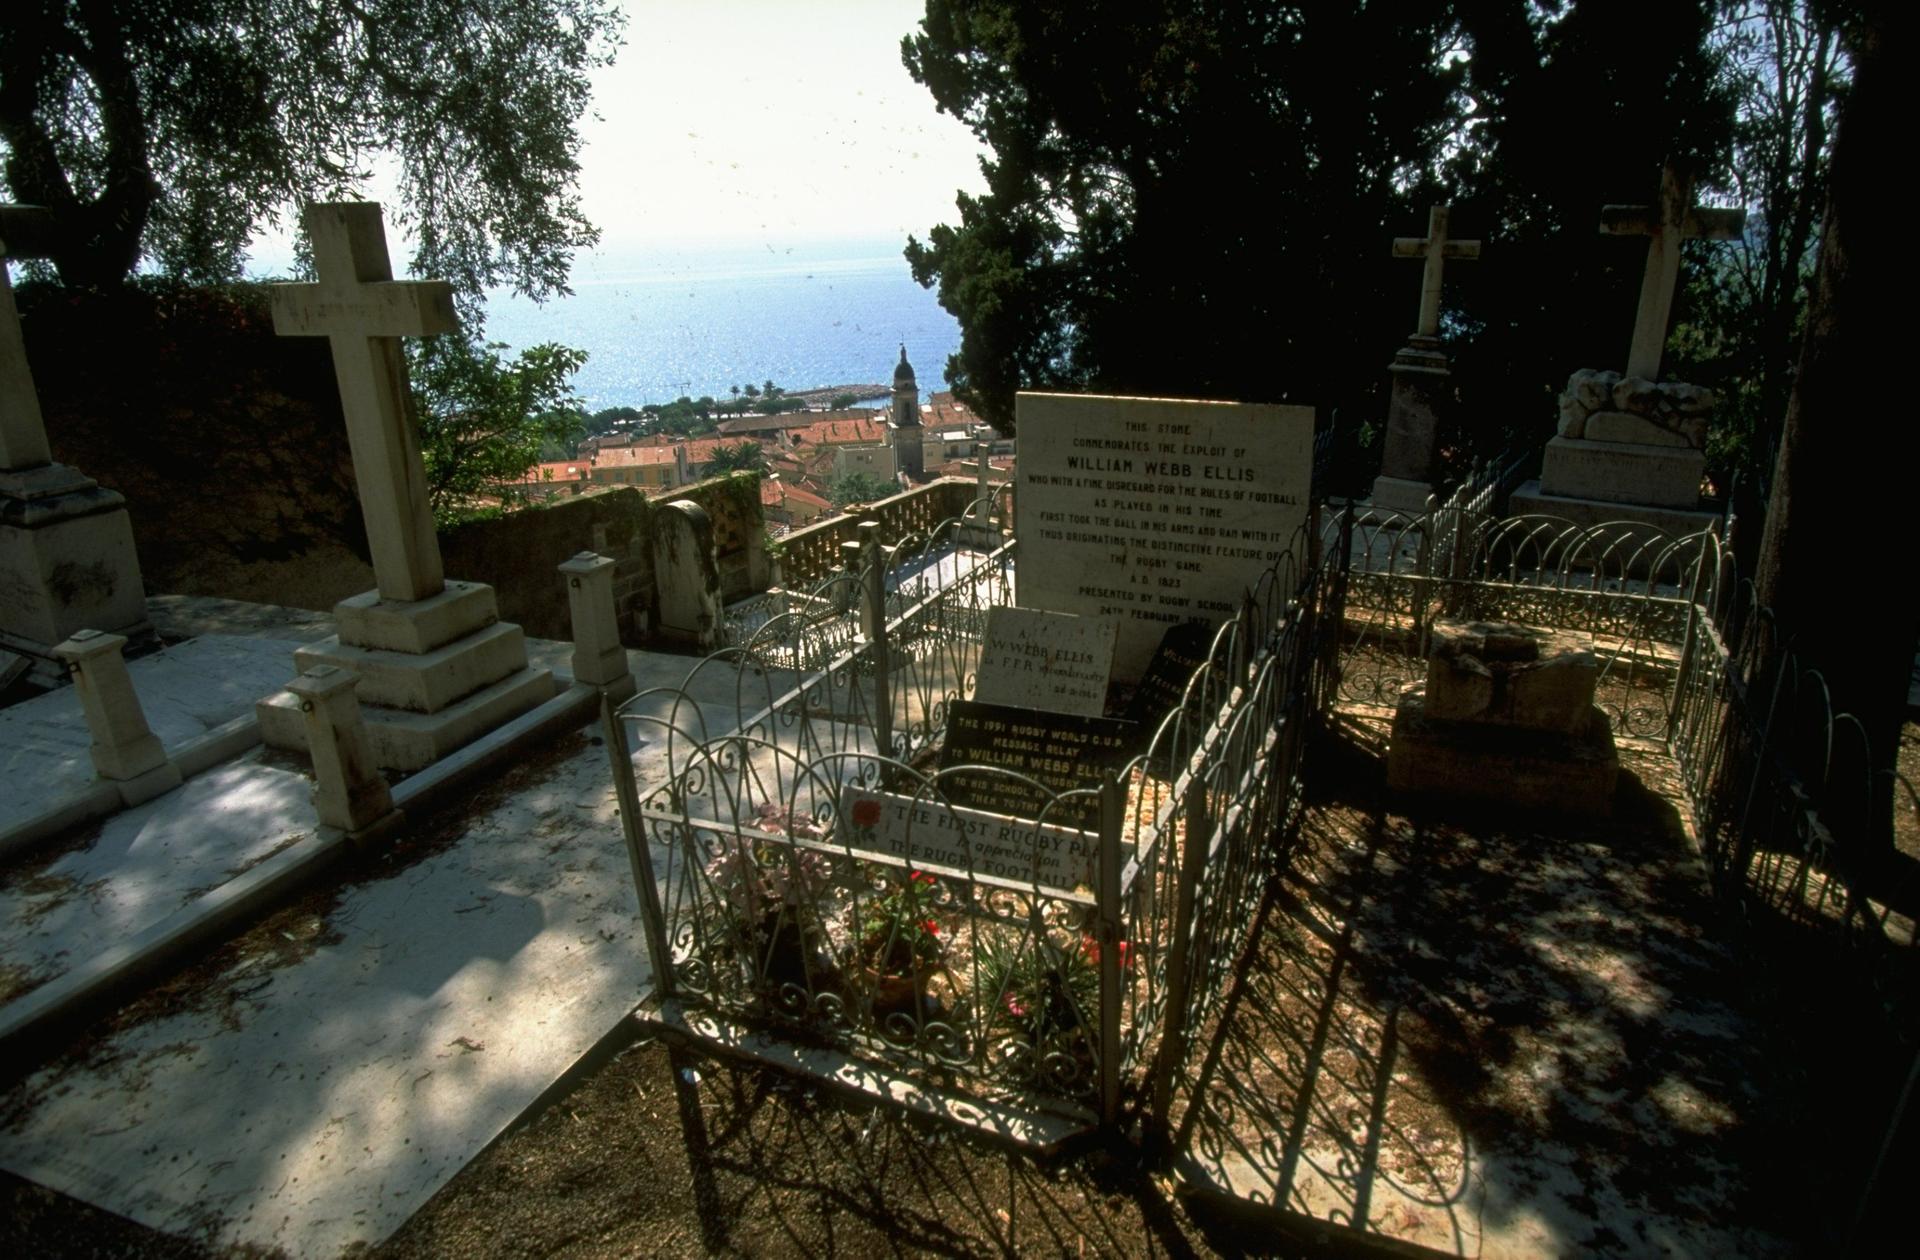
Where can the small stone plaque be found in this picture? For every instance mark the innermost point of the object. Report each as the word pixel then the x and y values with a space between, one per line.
pixel 1182 650
pixel 927 832
pixel 1155 511
pixel 1059 750
pixel 1046 660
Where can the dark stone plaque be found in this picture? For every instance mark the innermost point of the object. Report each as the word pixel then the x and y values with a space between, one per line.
pixel 1182 650
pixel 1060 750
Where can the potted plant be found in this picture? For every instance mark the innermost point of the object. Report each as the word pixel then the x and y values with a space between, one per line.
pixel 897 943
pixel 1046 996
pixel 770 894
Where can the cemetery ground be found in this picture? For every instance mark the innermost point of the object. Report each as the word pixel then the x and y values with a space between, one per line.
pixel 1480 1034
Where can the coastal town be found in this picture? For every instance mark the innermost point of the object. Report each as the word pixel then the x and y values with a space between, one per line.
pixel 814 461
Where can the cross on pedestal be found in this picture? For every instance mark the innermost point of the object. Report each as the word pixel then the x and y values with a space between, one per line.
pixel 1666 225
pixel 23 434
pixel 1436 249
pixel 363 311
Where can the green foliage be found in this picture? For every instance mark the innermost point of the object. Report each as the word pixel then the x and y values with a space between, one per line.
pixel 842 401
pixel 1034 986
pixel 1742 311
pixel 740 457
pixel 483 420
pixel 860 487
pixel 1196 197
pixel 169 130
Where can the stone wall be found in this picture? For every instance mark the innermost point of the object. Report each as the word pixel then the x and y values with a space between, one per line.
pixel 810 554
pixel 229 446
pixel 517 555
pixel 226 440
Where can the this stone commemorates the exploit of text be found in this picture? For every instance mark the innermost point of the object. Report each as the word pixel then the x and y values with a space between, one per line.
pixel 1059 752
pixel 1155 511
pixel 1045 660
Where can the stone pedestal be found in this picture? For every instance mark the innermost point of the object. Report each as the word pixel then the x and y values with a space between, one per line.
pixel 434 674
pixel 348 791
pixel 1628 452
pixel 1419 394
pixel 1506 716
pixel 124 748
pixel 67 563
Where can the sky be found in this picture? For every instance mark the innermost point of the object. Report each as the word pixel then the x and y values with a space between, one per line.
pixel 761 120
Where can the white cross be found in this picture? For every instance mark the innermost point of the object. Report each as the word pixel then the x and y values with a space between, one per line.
pixel 1666 225
pixel 1436 249
pixel 363 311
pixel 23 434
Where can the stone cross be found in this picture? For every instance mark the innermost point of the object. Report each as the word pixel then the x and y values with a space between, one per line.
pixel 1666 225
pixel 1436 249
pixel 23 434
pixel 363 311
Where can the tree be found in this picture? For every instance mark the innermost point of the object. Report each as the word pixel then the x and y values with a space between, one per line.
pixel 1822 568
pixel 860 487
pixel 169 131
pixel 740 457
pixel 841 402
pixel 1195 196
pixel 483 421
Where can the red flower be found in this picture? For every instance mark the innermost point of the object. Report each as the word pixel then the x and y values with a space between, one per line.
pixel 866 813
pixel 921 877
pixel 1091 949
pixel 929 927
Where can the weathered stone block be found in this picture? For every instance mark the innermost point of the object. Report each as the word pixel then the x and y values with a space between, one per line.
pixel 1502 765
pixel 1618 426
pixel 1511 675
pixel 67 563
pixel 368 621
pixel 426 682
pixel 1622 472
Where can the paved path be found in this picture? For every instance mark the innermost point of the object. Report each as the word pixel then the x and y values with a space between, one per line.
pixel 310 1085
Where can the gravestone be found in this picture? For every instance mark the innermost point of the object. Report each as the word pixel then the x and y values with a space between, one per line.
pixel 1057 750
pixel 67 561
pixel 1630 448
pixel 1044 660
pixel 1421 380
pixel 686 576
pixel 1155 511
pixel 437 668
pixel 1163 687
pixel 1506 716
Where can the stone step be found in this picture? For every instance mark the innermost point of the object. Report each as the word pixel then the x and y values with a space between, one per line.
pixel 424 682
pixel 403 740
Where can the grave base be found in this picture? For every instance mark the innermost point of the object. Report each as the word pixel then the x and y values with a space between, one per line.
pixel 1637 522
pixel 67 564
pixel 434 674
pixel 1501 765
pixel 1397 494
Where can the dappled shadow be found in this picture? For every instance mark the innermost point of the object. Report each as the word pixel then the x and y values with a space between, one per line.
pixel 1484 1033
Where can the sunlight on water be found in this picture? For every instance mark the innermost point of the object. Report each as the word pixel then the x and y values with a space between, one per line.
pixel 694 321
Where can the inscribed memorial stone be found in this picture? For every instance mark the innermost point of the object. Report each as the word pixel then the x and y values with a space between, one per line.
pixel 1060 752
pixel 991 847
pixel 1154 511
pixel 1045 660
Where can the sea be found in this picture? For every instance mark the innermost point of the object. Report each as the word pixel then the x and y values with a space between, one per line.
pixel 661 322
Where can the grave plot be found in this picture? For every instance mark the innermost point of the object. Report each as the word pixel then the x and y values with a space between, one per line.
pixel 991 859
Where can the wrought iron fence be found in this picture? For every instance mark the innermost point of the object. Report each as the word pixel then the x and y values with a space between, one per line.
pixel 1690 659
pixel 812 874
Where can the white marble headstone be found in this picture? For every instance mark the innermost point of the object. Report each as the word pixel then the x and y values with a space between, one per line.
pixel 1046 660
pixel 1155 511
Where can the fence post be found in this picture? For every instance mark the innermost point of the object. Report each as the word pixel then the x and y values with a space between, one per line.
pixel 1113 812
pixel 652 919
pixel 1198 829
pixel 870 557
